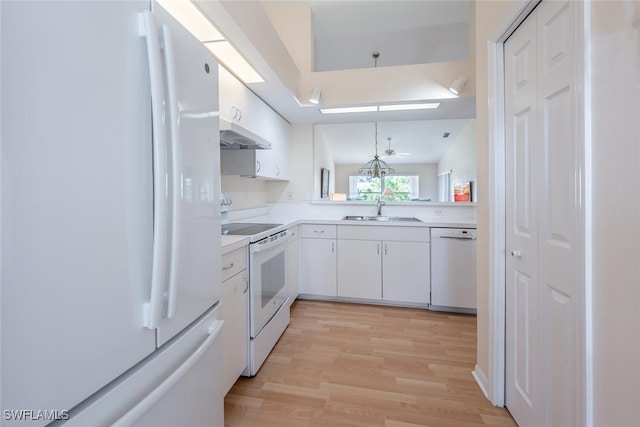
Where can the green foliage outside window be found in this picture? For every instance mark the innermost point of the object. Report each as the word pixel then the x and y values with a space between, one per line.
pixel 403 187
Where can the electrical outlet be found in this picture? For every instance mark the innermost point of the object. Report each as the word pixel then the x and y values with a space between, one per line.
pixel 304 195
pixel 289 195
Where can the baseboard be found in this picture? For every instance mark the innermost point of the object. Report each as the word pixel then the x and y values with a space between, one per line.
pixel 482 380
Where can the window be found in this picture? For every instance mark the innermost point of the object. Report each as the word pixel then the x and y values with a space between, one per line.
pixel 404 187
pixel 445 190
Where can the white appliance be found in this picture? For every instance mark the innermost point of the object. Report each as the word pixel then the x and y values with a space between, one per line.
pixel 268 311
pixel 110 257
pixel 269 315
pixel 453 272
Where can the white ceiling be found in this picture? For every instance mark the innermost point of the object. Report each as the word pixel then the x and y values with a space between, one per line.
pixel 345 34
pixel 350 143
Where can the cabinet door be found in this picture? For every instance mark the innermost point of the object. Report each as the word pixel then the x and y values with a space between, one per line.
pixel 318 272
pixel 235 305
pixel 282 147
pixel 406 272
pixel 293 266
pixel 359 269
pixel 234 97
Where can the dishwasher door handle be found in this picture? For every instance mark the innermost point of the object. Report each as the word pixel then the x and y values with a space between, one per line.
pixel 459 237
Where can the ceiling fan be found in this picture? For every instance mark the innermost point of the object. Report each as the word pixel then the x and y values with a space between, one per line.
pixel 391 152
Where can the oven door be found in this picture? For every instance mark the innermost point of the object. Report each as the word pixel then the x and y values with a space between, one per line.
pixel 268 287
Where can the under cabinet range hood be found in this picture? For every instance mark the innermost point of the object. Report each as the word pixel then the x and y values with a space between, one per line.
pixel 235 137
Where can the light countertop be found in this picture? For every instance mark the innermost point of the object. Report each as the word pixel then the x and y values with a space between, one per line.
pixel 233 242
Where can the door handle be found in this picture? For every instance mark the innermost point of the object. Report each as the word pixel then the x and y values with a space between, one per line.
pixel 516 254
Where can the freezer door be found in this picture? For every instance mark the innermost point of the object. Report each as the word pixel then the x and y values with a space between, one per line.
pixel 193 151
pixel 76 202
pixel 181 385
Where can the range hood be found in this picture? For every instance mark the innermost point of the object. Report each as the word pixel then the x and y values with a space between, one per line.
pixel 235 137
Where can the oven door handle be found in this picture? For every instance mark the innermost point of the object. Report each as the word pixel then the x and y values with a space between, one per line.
pixel 259 247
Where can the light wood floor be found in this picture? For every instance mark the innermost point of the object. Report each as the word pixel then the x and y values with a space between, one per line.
pixel 341 364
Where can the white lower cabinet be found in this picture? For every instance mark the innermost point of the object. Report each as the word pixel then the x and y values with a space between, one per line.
pixel 384 263
pixel 406 272
pixel 318 260
pixel 293 265
pixel 235 308
pixel 359 269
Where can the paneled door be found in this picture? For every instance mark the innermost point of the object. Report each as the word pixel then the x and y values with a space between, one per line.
pixel 544 213
pixel 522 361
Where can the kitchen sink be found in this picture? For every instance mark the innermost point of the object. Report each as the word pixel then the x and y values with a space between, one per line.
pixel 381 218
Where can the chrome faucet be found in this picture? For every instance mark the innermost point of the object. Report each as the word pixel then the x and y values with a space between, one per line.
pixel 380 204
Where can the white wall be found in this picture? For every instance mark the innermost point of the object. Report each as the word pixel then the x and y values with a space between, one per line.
pixel 488 16
pixel 616 212
pixel 460 158
pixel 448 42
pixel 427 175
pixel 322 158
pixel 301 181
pixel 246 193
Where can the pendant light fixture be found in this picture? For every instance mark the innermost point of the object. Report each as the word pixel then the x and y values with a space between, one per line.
pixel 376 168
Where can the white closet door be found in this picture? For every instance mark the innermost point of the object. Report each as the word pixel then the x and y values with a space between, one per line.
pixel 559 211
pixel 544 212
pixel 522 363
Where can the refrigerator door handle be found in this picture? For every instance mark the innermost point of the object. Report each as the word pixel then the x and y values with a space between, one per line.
pixel 152 310
pixel 176 162
pixel 152 398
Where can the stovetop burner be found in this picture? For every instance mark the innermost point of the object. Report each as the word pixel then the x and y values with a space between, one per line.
pixel 246 228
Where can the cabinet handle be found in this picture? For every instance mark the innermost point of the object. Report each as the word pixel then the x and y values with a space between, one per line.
pixel 234 112
pixel 385 248
pixel 318 231
pixel 333 247
pixel 239 114
pixel 378 248
pixel 228 267
pixel 277 171
pixel 259 165
pixel 246 282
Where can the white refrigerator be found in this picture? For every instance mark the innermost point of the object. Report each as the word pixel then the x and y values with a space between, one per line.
pixel 110 223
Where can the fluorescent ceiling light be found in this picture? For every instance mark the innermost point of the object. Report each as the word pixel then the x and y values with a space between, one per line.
pixel 230 57
pixel 192 19
pixel 374 108
pixel 185 12
pixel 401 107
pixel 341 110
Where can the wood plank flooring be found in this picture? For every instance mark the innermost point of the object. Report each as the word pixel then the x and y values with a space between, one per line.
pixel 341 364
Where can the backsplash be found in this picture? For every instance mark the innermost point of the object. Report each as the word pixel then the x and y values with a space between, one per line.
pixel 246 193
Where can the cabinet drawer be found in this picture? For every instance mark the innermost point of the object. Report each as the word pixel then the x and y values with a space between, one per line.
pixel 234 262
pixel 384 232
pixel 318 231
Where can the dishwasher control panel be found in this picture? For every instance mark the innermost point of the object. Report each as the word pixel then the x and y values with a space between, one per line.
pixel 458 233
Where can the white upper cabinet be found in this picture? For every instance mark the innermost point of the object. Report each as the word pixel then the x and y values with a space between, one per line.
pixel 239 106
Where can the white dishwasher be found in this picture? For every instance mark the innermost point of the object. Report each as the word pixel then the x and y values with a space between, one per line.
pixel 453 269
